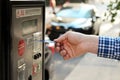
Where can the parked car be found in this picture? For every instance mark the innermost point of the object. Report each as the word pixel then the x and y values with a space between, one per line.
pixel 80 19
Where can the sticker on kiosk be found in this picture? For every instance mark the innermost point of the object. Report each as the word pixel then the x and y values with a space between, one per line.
pixel 21 47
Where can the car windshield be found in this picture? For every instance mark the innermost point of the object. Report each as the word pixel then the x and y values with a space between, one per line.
pixel 82 12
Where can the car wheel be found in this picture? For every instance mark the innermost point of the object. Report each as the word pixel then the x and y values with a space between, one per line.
pixel 53 36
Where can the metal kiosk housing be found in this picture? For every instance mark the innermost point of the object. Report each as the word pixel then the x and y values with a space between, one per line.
pixel 21 32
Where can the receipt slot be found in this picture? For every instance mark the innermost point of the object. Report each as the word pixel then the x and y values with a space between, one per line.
pixel 22 25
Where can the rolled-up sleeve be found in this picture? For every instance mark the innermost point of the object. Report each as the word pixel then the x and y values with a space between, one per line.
pixel 109 47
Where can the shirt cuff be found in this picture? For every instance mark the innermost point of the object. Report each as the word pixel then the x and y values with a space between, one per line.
pixel 109 48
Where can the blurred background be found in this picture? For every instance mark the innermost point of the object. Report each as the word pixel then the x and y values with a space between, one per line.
pixel 92 17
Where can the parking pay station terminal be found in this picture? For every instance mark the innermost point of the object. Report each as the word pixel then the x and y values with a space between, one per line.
pixel 22 29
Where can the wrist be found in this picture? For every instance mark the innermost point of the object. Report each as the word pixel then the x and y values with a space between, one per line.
pixel 92 43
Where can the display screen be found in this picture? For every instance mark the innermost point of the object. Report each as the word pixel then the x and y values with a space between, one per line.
pixel 29 26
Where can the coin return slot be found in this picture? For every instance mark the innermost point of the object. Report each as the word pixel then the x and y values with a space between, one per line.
pixel 30 77
pixel 21 72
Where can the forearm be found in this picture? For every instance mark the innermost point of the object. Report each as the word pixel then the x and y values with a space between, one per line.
pixel 103 46
pixel 109 48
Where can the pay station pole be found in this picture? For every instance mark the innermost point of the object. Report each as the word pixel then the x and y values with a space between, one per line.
pixel 5 40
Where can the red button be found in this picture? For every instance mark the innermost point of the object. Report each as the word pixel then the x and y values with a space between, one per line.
pixel 21 47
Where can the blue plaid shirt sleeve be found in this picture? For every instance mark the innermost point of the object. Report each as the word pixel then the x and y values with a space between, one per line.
pixel 109 47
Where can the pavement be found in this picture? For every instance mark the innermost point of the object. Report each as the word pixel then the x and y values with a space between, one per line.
pixel 87 67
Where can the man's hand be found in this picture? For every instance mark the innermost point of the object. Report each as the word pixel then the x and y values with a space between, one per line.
pixel 73 44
